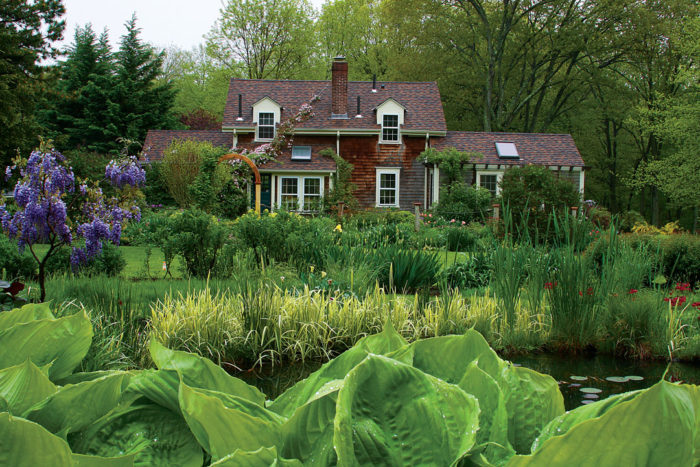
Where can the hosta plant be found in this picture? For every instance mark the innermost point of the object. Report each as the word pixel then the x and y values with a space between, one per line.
pixel 443 401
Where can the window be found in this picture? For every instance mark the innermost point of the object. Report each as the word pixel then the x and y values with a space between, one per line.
pixel 301 193
pixel 507 151
pixel 388 187
pixel 490 181
pixel 312 194
pixel 289 193
pixel 266 126
pixel 390 129
pixel 301 153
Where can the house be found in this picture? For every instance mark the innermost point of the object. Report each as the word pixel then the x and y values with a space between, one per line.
pixel 379 127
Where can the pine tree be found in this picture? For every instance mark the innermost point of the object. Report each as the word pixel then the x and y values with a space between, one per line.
pixel 145 102
pixel 84 113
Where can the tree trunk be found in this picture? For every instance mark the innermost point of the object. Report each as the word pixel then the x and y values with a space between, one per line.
pixel 42 280
pixel 655 206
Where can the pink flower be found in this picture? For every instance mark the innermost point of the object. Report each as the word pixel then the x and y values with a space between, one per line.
pixel 452 220
pixel 463 222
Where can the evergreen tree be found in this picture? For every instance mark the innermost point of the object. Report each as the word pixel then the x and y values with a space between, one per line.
pixel 26 32
pixel 144 101
pixel 84 113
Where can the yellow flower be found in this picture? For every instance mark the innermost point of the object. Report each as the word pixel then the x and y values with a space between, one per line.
pixel 312 268
pixel 338 228
pixel 323 274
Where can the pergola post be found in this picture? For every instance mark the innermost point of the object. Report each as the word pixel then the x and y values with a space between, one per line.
pixel 256 172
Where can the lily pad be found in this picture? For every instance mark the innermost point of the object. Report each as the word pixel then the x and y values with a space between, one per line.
pixel 578 378
pixel 591 390
pixel 590 396
pixel 634 378
pixel 617 379
pixel 575 385
pixel 586 401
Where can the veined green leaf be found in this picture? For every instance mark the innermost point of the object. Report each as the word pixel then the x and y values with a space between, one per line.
pixel 159 386
pixel 76 406
pixel 308 434
pixel 392 414
pixel 657 427
pixel 222 428
pixel 383 343
pixel 83 460
pixel 154 434
pixel 29 312
pixel 63 341
pixel 263 457
pixel 24 385
pixel 199 372
pixel 24 443
pixel 532 401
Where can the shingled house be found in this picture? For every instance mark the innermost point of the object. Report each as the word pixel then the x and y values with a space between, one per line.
pixel 379 127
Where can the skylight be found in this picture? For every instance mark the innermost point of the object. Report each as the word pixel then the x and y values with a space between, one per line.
pixel 301 153
pixel 507 151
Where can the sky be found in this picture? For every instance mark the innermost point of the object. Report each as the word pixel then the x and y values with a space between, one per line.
pixel 163 23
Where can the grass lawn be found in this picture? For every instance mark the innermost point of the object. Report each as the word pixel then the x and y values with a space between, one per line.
pixel 135 262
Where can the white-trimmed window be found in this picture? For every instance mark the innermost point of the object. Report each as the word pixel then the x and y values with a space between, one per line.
pixel 490 180
pixel 390 128
pixel 301 153
pixel 266 126
pixel 388 187
pixel 300 193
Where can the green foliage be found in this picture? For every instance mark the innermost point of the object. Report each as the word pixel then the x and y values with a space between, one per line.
pixel 197 237
pixel 474 272
pixel 109 262
pixel 343 190
pixel 628 219
pixel 464 203
pixel 14 264
pixel 451 162
pixel 180 167
pixel 156 188
pixel 263 39
pixel 27 35
pixel 406 270
pixel 530 194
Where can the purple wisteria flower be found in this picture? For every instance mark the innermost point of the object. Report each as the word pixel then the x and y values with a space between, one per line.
pixel 127 171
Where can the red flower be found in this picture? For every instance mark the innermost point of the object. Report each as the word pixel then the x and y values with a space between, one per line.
pixel 633 291
pixel 589 291
pixel 683 287
pixel 580 293
pixel 675 301
pixel 548 286
pixel 696 305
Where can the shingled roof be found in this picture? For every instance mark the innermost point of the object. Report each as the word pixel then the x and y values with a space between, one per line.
pixel 533 148
pixel 421 100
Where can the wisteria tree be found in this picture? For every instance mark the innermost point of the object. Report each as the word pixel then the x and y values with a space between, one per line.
pixel 50 210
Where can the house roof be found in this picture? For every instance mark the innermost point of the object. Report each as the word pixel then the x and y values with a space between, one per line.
pixel 421 100
pixel 157 141
pixel 533 148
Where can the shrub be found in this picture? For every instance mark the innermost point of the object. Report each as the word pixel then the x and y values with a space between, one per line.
pixel 460 239
pixel 530 194
pixel 180 167
pixel 600 217
pixel 406 270
pixel 16 265
pixel 464 203
pixel 156 188
pixel 372 217
pixel 474 272
pixel 627 220
pixel 198 238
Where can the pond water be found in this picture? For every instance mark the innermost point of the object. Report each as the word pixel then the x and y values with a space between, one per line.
pixel 581 379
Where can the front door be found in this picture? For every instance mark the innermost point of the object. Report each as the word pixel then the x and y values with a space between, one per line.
pixel 266 192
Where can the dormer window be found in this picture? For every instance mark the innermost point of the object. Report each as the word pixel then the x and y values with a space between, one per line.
pixel 266 126
pixel 390 128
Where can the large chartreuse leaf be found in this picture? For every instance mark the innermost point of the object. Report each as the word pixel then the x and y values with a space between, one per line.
pixel 159 386
pixel 156 435
pixel 27 313
pixel 199 372
pixel 308 434
pixel 532 401
pixel 223 423
pixel 24 385
pixel 657 427
pixel 392 414
pixel 63 341
pixel 25 443
pixel 563 423
pixel 83 460
pixel 75 406
pixel 383 343
pixel 263 457
pixel 448 357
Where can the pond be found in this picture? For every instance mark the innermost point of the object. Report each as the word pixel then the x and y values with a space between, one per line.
pixel 581 379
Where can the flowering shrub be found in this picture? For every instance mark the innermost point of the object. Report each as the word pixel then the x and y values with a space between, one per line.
pixel 50 210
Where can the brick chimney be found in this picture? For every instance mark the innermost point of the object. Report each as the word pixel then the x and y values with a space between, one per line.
pixel 339 88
